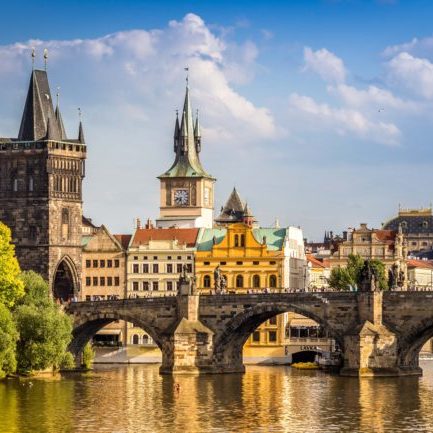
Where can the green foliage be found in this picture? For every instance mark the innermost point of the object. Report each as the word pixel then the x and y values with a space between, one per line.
pixel 88 356
pixel 350 277
pixel 68 362
pixel 36 290
pixel 8 339
pixel 45 333
pixel 11 286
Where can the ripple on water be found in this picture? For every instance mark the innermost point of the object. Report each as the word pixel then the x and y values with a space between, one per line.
pixel 135 399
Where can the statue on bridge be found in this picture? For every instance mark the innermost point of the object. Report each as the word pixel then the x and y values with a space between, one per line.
pixel 368 278
pixel 218 279
pixel 186 285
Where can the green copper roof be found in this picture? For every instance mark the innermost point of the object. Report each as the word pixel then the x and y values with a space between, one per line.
pixel 205 238
pixel 187 146
pixel 274 237
pixel 85 240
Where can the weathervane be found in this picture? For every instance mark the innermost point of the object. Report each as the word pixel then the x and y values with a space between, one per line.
pixel 45 57
pixel 79 113
pixel 57 95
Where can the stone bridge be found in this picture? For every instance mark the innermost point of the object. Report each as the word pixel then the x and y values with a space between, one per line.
pixel 380 333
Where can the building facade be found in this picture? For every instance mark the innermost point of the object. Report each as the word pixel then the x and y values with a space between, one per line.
pixel 186 189
pixel 318 273
pixel 41 174
pixel 417 226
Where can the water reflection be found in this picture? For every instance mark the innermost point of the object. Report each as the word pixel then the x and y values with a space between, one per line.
pixel 266 399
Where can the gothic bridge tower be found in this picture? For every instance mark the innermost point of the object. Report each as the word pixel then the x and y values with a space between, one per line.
pixel 41 175
pixel 187 191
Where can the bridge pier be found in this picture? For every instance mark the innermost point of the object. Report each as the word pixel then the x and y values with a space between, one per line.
pixel 371 350
pixel 188 349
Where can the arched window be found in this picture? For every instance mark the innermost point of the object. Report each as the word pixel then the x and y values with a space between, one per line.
pixel 135 339
pixel 15 185
pixel 236 240
pixel 145 339
pixel 239 281
pixel 242 240
pixel 206 281
pixel 273 281
pixel 31 183
pixel 256 281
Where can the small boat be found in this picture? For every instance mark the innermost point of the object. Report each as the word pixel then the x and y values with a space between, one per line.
pixel 329 361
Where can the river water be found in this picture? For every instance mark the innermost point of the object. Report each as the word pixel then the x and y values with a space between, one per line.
pixel 133 399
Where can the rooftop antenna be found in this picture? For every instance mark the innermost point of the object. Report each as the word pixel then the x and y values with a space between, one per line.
pixel 187 75
pixel 45 58
pixel 33 58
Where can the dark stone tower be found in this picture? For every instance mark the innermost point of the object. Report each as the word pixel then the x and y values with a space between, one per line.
pixel 41 175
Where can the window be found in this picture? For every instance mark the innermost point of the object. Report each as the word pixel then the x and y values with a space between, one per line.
pixel 239 281
pixel 95 281
pixel 236 240
pixel 239 263
pixel 116 281
pixel 424 244
pixel 145 268
pixel 95 263
pixel 65 224
pixel 242 240
pixel 179 258
pixel 88 263
pixel 206 281
pixel 102 281
pixel 169 268
pixel 145 285
pixel 272 263
pixel 206 263
pixel 272 336
pixel 135 339
pixel 273 281
pixel 179 268
pixel 109 263
pixel 15 185
pixel 102 263
pixel 223 263
pixel 109 281
pixel 88 281
pixel 256 281
pixel 155 285
pixel 273 320
pixel 144 257
pixel 189 257
pixel 189 267
pixel 135 257
pixel 256 337
pixel 155 268
pixel 256 263
pixel 135 268
pixel 88 298
pixel 169 285
pixel 135 286
pixel 32 232
pixel 155 257
pixel 31 184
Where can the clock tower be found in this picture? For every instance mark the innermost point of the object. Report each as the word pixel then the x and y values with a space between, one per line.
pixel 187 191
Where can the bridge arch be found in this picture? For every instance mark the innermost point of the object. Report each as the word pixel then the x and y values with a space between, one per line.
pixel 87 326
pixel 410 344
pixel 228 344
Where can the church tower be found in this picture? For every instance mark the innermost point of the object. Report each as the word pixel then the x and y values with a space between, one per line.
pixel 41 175
pixel 187 191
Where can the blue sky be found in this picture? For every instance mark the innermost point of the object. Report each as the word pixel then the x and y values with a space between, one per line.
pixel 320 112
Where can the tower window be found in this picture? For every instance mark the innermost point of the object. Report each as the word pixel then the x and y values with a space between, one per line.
pixel 239 281
pixel 242 240
pixel 236 240
pixel 15 185
pixel 65 233
pixel 31 184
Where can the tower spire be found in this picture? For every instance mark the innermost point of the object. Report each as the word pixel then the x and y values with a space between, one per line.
pixel 58 116
pixel 80 129
pixel 197 134
pixel 176 132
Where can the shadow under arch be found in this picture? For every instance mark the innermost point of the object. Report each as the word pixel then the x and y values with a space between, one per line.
pixel 229 344
pixel 66 283
pixel 410 345
pixel 90 325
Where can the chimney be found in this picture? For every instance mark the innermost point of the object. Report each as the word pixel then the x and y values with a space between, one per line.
pixel 345 235
pixel 138 223
pixel 149 224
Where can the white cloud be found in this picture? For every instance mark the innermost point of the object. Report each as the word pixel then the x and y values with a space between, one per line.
pixel 411 73
pixel 325 63
pixel 345 121
pixel 372 97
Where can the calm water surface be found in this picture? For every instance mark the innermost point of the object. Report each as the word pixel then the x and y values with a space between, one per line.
pixel 137 399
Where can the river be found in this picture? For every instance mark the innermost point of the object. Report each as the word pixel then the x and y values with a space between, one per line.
pixel 134 399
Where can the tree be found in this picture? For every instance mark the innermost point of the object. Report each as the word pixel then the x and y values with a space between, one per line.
pixel 350 276
pixel 8 339
pixel 44 330
pixel 11 286
pixel 88 356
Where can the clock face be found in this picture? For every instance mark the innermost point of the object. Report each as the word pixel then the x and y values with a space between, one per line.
pixel 181 197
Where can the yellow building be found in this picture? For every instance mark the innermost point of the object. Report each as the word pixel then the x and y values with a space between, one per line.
pixel 250 259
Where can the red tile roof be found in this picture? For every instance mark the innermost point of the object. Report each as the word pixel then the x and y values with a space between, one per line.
pixel 385 235
pixel 420 264
pixel 316 263
pixel 123 240
pixel 183 236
